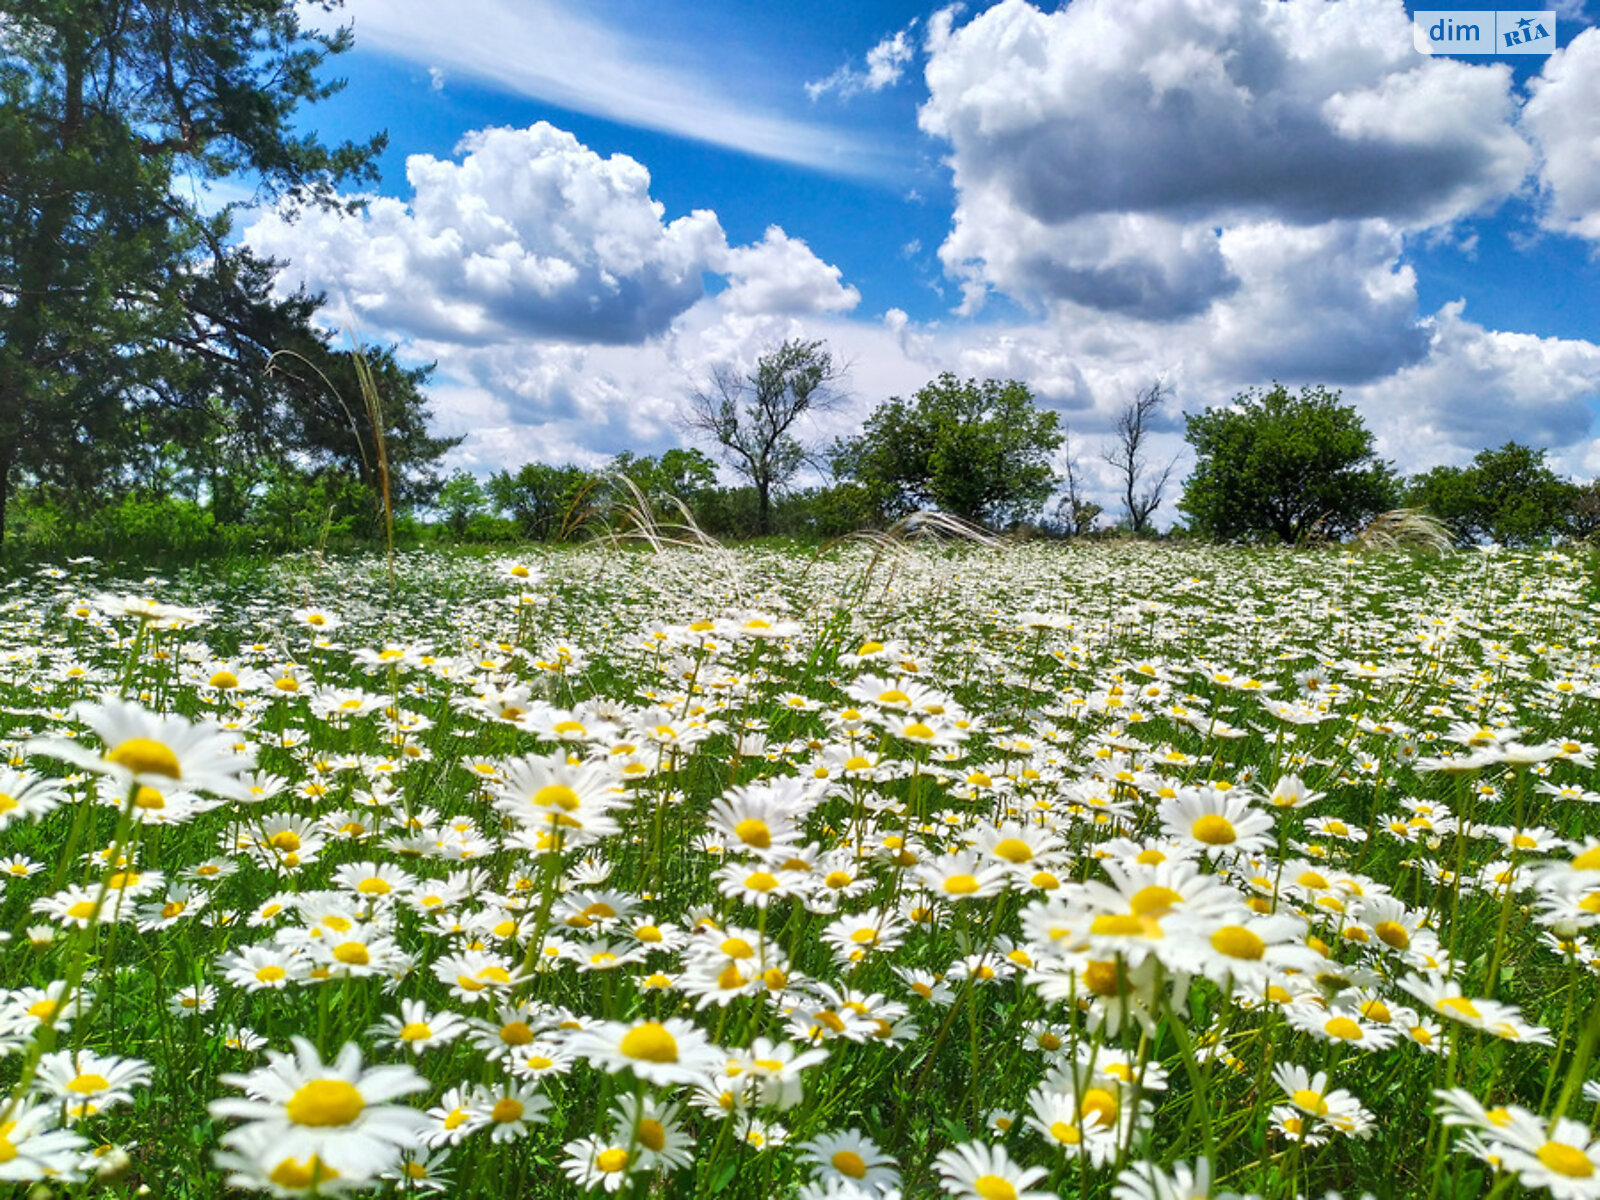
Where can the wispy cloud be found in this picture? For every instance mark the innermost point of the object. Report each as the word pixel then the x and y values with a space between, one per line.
pixel 886 63
pixel 546 51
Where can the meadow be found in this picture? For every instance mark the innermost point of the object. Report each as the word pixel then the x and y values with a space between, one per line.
pixel 996 872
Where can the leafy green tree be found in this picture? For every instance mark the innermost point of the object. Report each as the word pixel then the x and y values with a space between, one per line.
pixel 1583 520
pixel 329 419
pixel 548 503
pixel 1272 464
pixel 682 475
pixel 109 110
pixel 976 449
pixel 1507 495
pixel 460 500
pixel 752 415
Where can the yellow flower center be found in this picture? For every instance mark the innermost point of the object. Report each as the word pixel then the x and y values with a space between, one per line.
pixel 1124 925
pixel 294 1174
pixel 652 1135
pixel 352 954
pixel 1311 1101
pixel 516 1033
pixel 1392 933
pixel 224 681
pixel 753 832
pixel 1461 1007
pixel 1589 860
pixel 1067 1135
pixel 1566 1160
pixel 374 886
pixel 414 1031
pixel 1238 942
pixel 1343 1028
pixel 1154 900
pixel 921 732
pixel 1099 1104
pixel 506 1110
pixel 1013 850
pixel 612 1161
pixel 848 1162
pixel 1104 978
pixel 992 1187
pixel 761 881
pixel 650 1042
pixel 556 795
pixel 1214 830
pixel 325 1102
pixel 961 885
pixel 88 1085
pixel 82 910
pixel 146 756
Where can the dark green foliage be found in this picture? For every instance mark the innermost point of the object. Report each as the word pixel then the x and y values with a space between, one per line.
pixel 113 332
pixel 977 449
pixel 548 503
pixel 1290 467
pixel 678 475
pixel 324 422
pixel 461 500
pixel 1507 495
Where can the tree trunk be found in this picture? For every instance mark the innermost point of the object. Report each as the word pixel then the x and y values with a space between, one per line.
pixel 763 509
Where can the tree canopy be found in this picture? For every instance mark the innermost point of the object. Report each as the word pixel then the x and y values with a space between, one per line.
pixel 977 449
pixel 125 317
pixel 1276 465
pixel 1505 495
pixel 753 415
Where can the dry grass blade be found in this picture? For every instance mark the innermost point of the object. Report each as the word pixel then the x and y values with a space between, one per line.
pixel 1410 529
pixel 923 525
pixel 637 521
pixel 372 403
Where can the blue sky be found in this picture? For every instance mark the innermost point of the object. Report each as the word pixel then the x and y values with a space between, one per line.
pixel 584 208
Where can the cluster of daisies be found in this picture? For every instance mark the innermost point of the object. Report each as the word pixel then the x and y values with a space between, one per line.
pixel 658 890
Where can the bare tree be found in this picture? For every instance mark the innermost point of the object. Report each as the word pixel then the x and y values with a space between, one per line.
pixel 1074 511
pixel 1127 454
pixel 750 415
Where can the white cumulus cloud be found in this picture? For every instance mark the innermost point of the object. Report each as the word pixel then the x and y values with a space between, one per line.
pixel 531 234
pixel 1563 115
pixel 1099 151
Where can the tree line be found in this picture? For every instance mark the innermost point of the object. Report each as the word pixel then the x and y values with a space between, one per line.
pixel 146 362
pixel 1270 465
pixel 156 389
